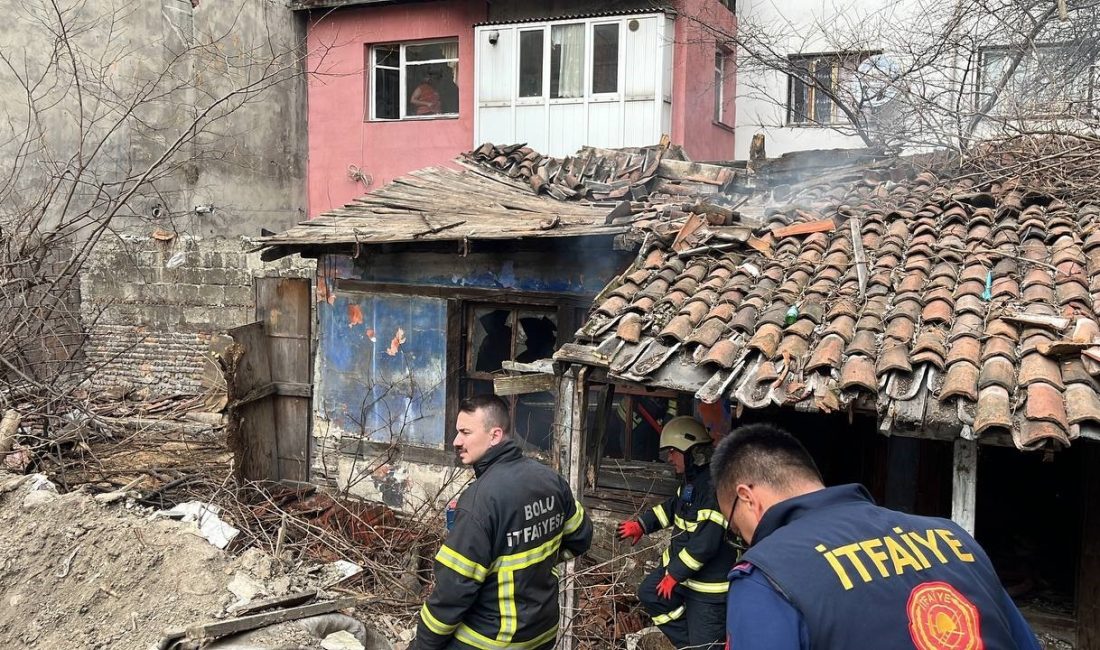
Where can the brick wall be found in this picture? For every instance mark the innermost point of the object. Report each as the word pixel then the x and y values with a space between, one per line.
pixel 151 307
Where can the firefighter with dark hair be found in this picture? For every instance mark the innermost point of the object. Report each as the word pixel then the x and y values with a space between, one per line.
pixel 828 569
pixel 686 595
pixel 496 583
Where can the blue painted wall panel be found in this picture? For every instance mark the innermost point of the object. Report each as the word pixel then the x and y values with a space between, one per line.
pixel 366 390
pixel 382 365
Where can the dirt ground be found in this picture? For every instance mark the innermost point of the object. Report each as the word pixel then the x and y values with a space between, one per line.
pixel 77 574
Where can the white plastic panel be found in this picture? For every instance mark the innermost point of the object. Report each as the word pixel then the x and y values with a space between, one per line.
pixel 641 123
pixel 642 54
pixel 496 125
pixel 531 126
pixel 567 129
pixel 495 65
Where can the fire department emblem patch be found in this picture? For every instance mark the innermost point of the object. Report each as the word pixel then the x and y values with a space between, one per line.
pixel 940 618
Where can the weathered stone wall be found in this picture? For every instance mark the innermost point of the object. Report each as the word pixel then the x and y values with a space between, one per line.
pixel 151 307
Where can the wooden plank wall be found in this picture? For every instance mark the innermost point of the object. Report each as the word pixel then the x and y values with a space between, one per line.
pixel 251 414
pixel 284 305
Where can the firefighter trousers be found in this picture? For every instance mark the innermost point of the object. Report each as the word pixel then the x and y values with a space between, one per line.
pixel 688 620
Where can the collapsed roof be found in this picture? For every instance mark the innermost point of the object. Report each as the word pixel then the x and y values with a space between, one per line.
pixel 950 301
pixel 951 304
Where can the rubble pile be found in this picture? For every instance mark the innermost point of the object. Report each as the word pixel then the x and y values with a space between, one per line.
pixel 607 609
pixel 81 571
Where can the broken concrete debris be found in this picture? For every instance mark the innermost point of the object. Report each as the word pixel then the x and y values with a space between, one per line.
pixel 96 575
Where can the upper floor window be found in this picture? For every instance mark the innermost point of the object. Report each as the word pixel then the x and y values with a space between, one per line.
pixel 564 62
pixel 605 58
pixel 414 80
pixel 722 77
pixel 1050 80
pixel 811 82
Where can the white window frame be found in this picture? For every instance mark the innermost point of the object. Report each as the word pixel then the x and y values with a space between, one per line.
pixel 720 58
pixel 546 45
pixel 401 71
pixel 590 60
pixel 661 73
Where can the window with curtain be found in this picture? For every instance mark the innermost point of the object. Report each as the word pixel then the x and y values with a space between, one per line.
pixel 414 80
pixel 567 61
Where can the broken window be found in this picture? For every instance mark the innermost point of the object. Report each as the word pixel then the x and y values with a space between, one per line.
pixel 812 81
pixel 530 63
pixel 414 80
pixel 1049 80
pixel 605 58
pixel 499 333
pixel 634 426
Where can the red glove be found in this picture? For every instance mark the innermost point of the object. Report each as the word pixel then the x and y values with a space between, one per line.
pixel 631 530
pixel 664 587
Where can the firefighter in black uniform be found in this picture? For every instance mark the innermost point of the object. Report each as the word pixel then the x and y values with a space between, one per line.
pixel 496 583
pixel 686 595
pixel 828 569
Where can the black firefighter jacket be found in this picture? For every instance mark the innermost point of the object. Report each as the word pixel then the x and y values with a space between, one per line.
pixel 496 585
pixel 699 557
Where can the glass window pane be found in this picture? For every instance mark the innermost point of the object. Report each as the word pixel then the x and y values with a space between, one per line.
pixel 567 61
pixel 431 51
pixel 530 63
pixel 388 55
pixel 537 335
pixel 432 89
pixel 534 420
pixel 605 58
pixel 799 110
pixel 823 106
pixel 387 94
pixel 491 339
pixel 719 78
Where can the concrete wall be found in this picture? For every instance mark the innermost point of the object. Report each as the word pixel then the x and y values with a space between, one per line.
pixel 148 322
pixel 151 307
pixel 805 27
pixel 699 31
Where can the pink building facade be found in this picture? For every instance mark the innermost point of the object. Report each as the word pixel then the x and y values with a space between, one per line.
pixel 395 88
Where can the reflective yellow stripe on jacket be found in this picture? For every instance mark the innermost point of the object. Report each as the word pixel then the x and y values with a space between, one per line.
pixel 689 561
pixel 576 520
pixel 434 624
pixel 507 565
pixel 461 564
pixel 712 516
pixel 468 636
pixel 662 516
pixel 707 587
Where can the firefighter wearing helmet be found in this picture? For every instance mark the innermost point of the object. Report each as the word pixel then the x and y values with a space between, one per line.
pixel 686 594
